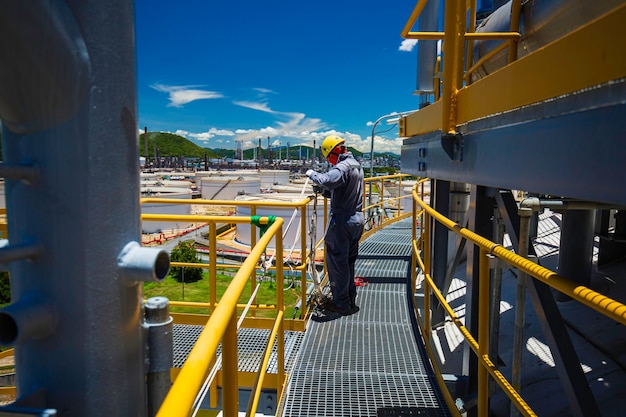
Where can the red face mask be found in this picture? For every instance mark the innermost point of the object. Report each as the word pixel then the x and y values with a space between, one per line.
pixel 334 155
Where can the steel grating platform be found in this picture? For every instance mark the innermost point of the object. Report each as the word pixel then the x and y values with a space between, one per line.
pixel 392 241
pixel 250 345
pixel 369 364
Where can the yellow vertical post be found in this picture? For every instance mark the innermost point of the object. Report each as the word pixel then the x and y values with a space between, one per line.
pixel 213 394
pixel 453 44
pixel 212 265
pixel 483 333
pixel 230 388
pixel 413 252
pixel 382 196
pixel 280 305
pixel 303 257
pixel 253 244
pixel 516 10
pixel 471 27
pixel 426 233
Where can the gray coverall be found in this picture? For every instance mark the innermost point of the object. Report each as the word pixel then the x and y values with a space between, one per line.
pixel 344 181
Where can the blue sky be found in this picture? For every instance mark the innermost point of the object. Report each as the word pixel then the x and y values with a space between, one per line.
pixel 222 71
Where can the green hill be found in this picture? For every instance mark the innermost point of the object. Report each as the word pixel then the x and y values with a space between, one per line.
pixel 170 144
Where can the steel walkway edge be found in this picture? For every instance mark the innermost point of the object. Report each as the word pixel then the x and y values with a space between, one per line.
pixel 373 363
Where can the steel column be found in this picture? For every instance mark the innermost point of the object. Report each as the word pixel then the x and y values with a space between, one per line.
pixel 68 106
pixel 440 234
pixel 576 249
pixel 480 212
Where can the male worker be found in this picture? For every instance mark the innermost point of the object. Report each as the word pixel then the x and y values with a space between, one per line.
pixel 344 182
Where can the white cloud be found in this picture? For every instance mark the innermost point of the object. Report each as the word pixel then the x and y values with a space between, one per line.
pixel 407 45
pixel 263 91
pixel 293 127
pixel 254 106
pixel 181 95
pixel 205 136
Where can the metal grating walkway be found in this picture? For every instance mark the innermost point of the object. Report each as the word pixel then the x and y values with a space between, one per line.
pixel 369 364
pixel 250 347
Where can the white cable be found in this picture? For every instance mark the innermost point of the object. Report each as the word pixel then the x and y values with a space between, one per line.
pixel 295 211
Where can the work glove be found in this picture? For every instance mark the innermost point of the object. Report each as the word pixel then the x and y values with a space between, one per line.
pixel 309 173
pixel 317 189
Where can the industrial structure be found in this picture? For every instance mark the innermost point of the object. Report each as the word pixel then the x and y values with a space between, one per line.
pixel 521 105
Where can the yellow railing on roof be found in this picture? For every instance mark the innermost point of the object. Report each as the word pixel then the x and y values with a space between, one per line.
pixel 422 214
pixel 594 49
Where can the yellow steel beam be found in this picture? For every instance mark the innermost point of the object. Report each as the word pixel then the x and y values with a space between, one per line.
pixel 427 119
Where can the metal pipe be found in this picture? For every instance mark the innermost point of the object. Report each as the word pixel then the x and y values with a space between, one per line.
pixel 143 264
pixel 160 347
pixel 10 253
pixel 27 173
pixel 30 318
pixel 536 204
pixel 520 301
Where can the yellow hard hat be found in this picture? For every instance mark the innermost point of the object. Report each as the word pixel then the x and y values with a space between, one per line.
pixel 329 143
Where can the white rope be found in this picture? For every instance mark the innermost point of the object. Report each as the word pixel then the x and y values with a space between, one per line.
pixel 293 216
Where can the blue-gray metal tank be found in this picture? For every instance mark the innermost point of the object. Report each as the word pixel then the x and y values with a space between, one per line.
pixel 541 22
pixel 68 106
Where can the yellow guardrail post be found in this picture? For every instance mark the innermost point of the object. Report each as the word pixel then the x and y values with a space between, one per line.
pixel 280 308
pixel 426 242
pixel 230 386
pixel 414 254
pixel 212 267
pixel 483 332
pixel 304 259
pixel 454 33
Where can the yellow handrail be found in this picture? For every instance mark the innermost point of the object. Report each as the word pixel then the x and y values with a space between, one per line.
pixel 221 326
pixel 607 306
pixel 604 305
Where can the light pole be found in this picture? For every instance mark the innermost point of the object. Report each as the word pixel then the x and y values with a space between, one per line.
pixel 391 116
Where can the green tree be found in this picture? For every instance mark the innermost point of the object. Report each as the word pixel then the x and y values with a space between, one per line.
pixel 185 252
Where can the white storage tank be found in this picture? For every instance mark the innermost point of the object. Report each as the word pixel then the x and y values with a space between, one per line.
pixel 270 177
pixel 228 187
pixel 165 208
pixel 244 231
